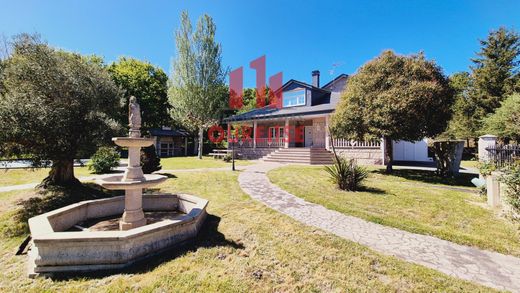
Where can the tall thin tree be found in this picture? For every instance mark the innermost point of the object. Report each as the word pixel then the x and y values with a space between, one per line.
pixel 197 90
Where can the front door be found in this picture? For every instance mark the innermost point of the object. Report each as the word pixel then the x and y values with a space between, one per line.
pixel 308 136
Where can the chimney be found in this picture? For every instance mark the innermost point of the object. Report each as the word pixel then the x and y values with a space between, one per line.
pixel 316 78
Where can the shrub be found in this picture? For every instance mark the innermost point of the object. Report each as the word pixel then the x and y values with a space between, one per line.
pixel 227 158
pixel 485 168
pixel 511 179
pixel 104 160
pixel 346 173
pixel 149 160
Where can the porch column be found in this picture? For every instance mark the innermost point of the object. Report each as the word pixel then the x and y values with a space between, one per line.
pixel 254 134
pixel 327 134
pixel 286 133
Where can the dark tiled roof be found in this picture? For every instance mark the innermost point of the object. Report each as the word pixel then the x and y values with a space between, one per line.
pixel 172 132
pixel 304 85
pixel 337 77
pixel 270 113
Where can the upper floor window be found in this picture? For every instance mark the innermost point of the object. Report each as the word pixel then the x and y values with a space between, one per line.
pixel 294 98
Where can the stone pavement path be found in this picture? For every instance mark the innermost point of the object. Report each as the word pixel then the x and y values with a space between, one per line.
pixel 485 267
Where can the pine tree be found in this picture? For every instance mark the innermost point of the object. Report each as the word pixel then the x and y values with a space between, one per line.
pixel 495 70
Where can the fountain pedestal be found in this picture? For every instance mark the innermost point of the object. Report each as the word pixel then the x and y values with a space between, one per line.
pixel 133 181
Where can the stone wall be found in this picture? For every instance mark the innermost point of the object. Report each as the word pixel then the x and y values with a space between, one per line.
pixel 363 156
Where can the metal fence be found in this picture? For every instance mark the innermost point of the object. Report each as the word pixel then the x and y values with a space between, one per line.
pixel 503 155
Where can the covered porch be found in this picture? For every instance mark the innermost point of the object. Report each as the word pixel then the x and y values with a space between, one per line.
pixel 286 132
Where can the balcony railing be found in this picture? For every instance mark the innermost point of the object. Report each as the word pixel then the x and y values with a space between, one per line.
pixel 343 143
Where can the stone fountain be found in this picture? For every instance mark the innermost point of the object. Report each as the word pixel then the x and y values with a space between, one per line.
pixel 92 235
pixel 133 181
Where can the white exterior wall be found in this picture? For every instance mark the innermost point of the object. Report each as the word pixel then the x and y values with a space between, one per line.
pixel 411 151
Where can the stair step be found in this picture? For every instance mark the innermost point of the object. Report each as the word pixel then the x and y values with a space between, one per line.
pixel 309 156
pixel 302 155
pixel 300 162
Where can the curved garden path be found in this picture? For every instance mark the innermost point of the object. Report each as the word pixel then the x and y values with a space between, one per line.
pixel 485 267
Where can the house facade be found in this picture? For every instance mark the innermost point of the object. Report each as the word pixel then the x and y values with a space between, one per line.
pixel 303 122
pixel 171 142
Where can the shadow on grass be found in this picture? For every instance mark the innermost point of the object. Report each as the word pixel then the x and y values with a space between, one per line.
pixel 51 198
pixel 430 177
pixel 208 237
pixel 373 190
pixel 168 175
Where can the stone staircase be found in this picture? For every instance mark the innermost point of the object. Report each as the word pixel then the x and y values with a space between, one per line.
pixel 312 156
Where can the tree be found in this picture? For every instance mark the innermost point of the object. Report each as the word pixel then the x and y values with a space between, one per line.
pixel 466 111
pixel 495 70
pixel 249 97
pixel 394 97
pixel 147 82
pixel 198 94
pixel 55 106
pixel 505 122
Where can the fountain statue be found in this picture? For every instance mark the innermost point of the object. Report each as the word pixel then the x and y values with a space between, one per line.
pixel 92 235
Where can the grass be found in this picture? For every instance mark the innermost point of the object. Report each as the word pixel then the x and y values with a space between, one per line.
pixel 469 164
pixel 25 176
pixel 409 200
pixel 176 163
pixel 36 175
pixel 244 247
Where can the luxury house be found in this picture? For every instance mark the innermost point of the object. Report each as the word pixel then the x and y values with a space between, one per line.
pixel 298 131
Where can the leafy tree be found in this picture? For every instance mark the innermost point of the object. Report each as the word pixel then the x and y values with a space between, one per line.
pixel 505 122
pixel 198 94
pixel 249 97
pixel 394 97
pixel 147 82
pixel 495 70
pixel 55 106
pixel 466 110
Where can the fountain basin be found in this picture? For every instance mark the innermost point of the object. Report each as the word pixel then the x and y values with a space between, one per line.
pixel 133 141
pixel 116 182
pixel 55 248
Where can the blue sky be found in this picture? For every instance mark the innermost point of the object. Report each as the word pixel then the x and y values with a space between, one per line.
pixel 296 36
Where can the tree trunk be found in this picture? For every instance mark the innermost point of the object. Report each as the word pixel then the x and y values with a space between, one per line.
pixel 201 142
pixel 62 174
pixel 389 158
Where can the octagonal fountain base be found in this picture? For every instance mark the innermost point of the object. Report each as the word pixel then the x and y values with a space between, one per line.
pixel 85 236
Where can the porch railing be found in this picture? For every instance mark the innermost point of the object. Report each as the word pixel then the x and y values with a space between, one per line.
pixel 262 143
pixel 344 143
pixel 279 143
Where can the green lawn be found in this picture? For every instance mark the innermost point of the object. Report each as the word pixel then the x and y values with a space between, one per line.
pixel 410 200
pixel 243 247
pixel 195 163
pixel 24 176
pixel 469 164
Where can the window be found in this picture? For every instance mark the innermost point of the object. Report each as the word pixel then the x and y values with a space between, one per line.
pixel 294 98
pixel 166 149
pixel 274 135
